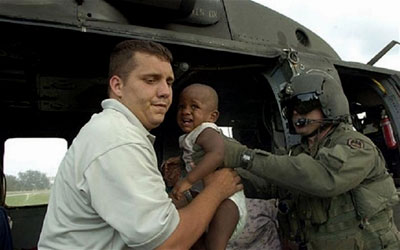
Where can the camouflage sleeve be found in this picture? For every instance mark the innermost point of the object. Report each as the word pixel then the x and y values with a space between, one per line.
pixel 333 171
pixel 256 187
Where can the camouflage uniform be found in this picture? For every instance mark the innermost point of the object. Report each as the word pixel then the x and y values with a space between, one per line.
pixel 338 195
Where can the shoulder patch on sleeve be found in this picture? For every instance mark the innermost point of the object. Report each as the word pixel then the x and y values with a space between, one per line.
pixel 355 143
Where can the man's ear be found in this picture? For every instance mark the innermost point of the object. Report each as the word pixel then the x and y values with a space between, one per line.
pixel 214 116
pixel 116 85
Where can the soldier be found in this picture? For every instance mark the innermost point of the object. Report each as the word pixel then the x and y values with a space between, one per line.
pixel 334 189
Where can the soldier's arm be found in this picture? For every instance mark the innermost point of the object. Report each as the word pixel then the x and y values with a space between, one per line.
pixel 256 187
pixel 333 171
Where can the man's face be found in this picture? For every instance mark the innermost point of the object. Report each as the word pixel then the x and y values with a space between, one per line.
pixel 147 91
pixel 316 115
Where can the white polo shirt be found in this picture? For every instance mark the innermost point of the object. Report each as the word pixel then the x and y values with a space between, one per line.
pixel 108 192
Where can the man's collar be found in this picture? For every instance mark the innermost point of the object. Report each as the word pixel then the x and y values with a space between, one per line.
pixel 118 106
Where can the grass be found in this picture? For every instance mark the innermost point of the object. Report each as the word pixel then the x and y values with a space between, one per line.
pixel 27 198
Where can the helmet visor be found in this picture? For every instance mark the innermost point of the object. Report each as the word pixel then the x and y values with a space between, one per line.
pixel 303 103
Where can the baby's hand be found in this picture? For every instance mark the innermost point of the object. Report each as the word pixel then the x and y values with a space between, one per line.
pixel 171 170
pixel 180 187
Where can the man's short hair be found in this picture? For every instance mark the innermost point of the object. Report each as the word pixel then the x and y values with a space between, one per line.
pixel 120 59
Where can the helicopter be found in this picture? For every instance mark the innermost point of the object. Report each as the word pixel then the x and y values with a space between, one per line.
pixel 54 61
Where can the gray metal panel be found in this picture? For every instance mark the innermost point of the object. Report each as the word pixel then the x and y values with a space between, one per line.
pixel 103 19
pixel 55 11
pixel 180 38
pixel 364 67
pixel 27 224
pixel 208 19
pixel 252 23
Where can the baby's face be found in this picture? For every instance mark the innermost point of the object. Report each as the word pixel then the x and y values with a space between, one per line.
pixel 193 110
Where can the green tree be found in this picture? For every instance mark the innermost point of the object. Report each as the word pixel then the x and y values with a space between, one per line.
pixel 33 180
pixel 13 183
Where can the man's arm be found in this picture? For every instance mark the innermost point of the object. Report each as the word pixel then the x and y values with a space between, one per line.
pixel 195 217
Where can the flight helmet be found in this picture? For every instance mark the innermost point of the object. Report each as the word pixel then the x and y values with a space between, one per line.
pixel 315 89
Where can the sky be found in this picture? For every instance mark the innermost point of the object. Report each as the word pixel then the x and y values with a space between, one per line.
pixel 44 155
pixel 356 29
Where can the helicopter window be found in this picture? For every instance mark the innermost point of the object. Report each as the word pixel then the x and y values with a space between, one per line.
pixel 30 166
pixel 362 115
pixel 302 37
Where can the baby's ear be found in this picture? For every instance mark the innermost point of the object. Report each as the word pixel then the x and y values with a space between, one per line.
pixel 214 116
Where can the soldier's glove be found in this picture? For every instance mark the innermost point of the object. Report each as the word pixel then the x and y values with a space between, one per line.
pixel 236 154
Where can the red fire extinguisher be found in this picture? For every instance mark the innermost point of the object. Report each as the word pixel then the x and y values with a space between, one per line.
pixel 387 131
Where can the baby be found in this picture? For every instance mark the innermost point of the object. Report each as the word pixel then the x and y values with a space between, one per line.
pixel 197 114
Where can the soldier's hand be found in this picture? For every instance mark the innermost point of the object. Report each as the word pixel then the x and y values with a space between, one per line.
pixel 224 182
pixel 233 153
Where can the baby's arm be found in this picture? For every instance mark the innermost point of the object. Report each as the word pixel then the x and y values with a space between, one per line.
pixel 213 145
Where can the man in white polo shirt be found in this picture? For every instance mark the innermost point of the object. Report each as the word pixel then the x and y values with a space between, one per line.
pixel 108 193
